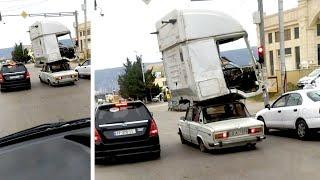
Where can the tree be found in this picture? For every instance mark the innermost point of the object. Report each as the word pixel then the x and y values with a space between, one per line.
pixel 20 54
pixel 131 82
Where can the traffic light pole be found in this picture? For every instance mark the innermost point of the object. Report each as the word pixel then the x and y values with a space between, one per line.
pixel 262 44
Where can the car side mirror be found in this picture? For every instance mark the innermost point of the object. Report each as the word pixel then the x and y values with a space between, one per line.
pixel 182 118
pixel 268 106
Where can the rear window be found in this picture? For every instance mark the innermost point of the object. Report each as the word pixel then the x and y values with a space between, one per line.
pixel 224 112
pixel 314 95
pixel 128 113
pixel 59 67
pixel 13 68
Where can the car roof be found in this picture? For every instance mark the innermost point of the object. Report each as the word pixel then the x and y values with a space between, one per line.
pixel 128 102
pixel 301 91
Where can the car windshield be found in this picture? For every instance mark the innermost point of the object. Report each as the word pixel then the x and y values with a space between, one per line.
pixel 113 114
pixel 59 67
pixel 314 95
pixel 224 112
pixel 314 73
pixel 13 68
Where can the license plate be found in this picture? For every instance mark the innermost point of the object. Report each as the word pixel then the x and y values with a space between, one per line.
pixel 124 132
pixel 15 77
pixel 238 132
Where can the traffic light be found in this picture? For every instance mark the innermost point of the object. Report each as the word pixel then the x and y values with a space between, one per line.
pixel 261 55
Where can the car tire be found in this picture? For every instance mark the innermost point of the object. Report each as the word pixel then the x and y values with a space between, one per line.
pixel 49 83
pixel 202 147
pixel 302 129
pixel 183 141
pixel 251 146
pixel 266 130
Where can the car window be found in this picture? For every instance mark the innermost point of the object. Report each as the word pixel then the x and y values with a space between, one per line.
pixel 189 114
pixel 13 68
pixel 294 99
pixel 86 63
pixel 128 113
pixel 224 112
pixel 281 102
pixel 314 95
pixel 59 67
pixel 196 115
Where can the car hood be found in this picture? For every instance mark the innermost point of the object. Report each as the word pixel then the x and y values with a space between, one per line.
pixel 261 112
pixel 233 124
pixel 64 73
pixel 306 79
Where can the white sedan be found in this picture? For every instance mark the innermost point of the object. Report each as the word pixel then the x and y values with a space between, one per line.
pixel 219 126
pixel 298 110
pixel 58 73
pixel 84 69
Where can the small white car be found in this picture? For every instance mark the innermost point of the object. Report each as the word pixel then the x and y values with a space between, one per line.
pixel 58 73
pixel 84 69
pixel 312 78
pixel 217 126
pixel 298 110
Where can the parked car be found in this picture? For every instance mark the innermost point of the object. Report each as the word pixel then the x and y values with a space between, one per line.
pixel 57 73
pixel 310 79
pixel 221 124
pixel 298 110
pixel 84 69
pixel 125 129
pixel 14 76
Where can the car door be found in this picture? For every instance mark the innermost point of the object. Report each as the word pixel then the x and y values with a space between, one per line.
pixel 88 67
pixel 42 73
pixel 84 69
pixel 185 124
pixel 290 112
pixel 273 117
pixel 194 125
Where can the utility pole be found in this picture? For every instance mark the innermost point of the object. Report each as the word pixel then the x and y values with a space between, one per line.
pixel 282 60
pixel 85 29
pixel 77 34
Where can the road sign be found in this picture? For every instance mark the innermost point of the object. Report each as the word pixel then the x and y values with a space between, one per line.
pixel 24 14
pixel 146 1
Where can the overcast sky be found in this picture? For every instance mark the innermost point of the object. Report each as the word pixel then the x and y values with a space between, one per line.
pixel 126 25
pixel 14 29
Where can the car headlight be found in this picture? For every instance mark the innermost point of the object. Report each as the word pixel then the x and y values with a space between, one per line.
pixel 58 78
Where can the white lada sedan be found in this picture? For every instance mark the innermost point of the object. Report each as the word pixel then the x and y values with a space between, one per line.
pixel 218 126
pixel 298 110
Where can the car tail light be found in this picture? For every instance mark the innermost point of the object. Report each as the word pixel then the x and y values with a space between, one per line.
pixel 97 138
pixel 254 130
pixel 27 75
pixel 1 78
pixel 153 129
pixel 221 135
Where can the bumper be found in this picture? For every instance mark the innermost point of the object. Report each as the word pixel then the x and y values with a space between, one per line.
pixel 236 142
pixel 125 149
pixel 65 81
pixel 15 84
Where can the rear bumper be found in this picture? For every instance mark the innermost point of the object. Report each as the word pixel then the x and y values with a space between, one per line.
pixel 236 142
pixel 16 84
pixel 133 148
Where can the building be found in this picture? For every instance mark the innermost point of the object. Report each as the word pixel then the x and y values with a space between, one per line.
pixel 81 41
pixel 302 38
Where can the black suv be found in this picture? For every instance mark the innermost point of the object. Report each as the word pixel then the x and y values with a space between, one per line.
pixel 14 76
pixel 125 129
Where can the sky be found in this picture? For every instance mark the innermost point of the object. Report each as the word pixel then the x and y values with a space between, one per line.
pixel 125 28
pixel 14 29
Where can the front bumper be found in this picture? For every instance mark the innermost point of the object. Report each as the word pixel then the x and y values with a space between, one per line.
pixel 124 149
pixel 64 81
pixel 241 141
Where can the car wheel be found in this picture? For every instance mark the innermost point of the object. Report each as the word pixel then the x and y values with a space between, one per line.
pixel 183 141
pixel 302 129
pixel 49 82
pixel 202 147
pixel 266 130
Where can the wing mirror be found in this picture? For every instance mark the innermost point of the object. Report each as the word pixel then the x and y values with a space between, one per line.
pixel 182 118
pixel 268 106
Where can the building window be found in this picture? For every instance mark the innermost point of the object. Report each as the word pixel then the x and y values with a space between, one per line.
pixel 80 33
pixel 287 35
pixel 297 51
pixel 296 32
pixel 318 54
pixel 287 51
pixel 318 29
pixel 88 32
pixel 270 38
pixel 277 36
pixel 271 63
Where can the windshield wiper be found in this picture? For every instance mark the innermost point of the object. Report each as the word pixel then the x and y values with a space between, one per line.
pixel 44 129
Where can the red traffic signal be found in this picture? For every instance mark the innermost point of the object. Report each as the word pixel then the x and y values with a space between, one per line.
pixel 261 55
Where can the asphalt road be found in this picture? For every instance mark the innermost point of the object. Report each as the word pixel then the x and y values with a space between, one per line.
pixel 280 156
pixel 24 109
